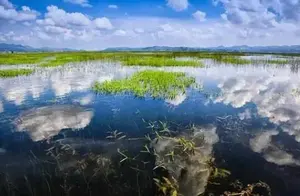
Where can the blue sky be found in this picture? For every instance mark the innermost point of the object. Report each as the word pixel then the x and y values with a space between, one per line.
pixel 97 24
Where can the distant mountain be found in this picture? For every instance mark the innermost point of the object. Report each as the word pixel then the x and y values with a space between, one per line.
pixel 21 48
pixel 243 48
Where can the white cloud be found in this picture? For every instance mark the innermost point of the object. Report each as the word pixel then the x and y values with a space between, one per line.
pixel 200 16
pixel 103 23
pixel 178 5
pixel 25 14
pixel 260 14
pixel 6 4
pixel 166 27
pixel 140 30
pixel 113 6
pixel 120 32
pixel 83 3
pixel 62 18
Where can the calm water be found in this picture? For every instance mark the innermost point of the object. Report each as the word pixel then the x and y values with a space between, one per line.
pixel 254 110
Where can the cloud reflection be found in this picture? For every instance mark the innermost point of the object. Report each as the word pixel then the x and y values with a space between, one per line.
pixel 262 143
pixel 45 122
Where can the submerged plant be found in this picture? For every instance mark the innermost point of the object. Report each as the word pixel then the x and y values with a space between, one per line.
pixel 157 84
pixel 167 187
pixel 250 189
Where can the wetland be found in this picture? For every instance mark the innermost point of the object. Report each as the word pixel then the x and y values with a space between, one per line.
pixel 161 123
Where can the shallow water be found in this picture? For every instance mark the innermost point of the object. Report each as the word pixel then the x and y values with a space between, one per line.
pixel 255 110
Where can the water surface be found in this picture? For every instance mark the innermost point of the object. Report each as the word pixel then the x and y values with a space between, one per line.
pixel 254 109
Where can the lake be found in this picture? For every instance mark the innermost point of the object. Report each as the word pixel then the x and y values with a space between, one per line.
pixel 51 121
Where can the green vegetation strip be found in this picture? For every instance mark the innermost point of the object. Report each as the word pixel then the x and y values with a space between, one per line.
pixel 157 84
pixel 157 59
pixel 22 58
pixel 159 62
pixel 7 73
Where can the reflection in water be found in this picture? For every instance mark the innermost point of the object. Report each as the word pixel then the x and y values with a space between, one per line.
pixel 272 95
pixel 243 94
pixel 45 122
pixel 190 172
pixel 179 99
pixel 245 115
pixel 1 107
pixel 86 100
pixel 262 143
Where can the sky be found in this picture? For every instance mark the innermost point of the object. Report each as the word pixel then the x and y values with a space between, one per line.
pixel 99 24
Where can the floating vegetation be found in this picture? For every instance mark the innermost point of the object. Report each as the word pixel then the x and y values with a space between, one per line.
pixel 157 84
pixel 8 73
pixel 159 62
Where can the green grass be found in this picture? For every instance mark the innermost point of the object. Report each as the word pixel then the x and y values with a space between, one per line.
pixel 22 58
pixel 156 59
pixel 8 73
pixel 232 60
pixel 157 84
pixel 159 62
pixel 274 61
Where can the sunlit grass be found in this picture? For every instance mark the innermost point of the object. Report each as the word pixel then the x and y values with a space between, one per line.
pixel 274 61
pixel 157 84
pixel 159 62
pixel 156 59
pixel 22 58
pixel 7 73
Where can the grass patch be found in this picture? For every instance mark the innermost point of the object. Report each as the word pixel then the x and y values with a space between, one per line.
pixel 274 61
pixel 232 60
pixel 157 59
pixel 157 84
pixel 22 58
pixel 8 73
pixel 159 62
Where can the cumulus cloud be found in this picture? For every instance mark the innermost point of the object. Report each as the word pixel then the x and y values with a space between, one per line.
pixel 6 4
pixel 62 18
pixel 178 5
pixel 83 3
pixel 103 23
pixel 200 16
pixel 120 32
pixel 260 14
pixel 113 6
pixel 25 14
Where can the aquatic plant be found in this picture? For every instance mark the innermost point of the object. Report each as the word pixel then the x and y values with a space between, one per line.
pixel 232 60
pixel 250 189
pixel 167 187
pixel 157 84
pixel 272 61
pixel 159 62
pixel 7 73
pixel 22 58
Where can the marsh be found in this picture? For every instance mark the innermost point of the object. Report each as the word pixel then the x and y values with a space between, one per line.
pixel 101 123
